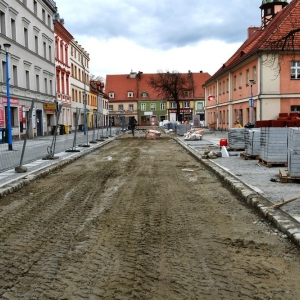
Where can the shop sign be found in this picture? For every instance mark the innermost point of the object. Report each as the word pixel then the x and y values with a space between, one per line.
pixel 181 111
pixel 1 115
pixel 13 101
pixel 50 108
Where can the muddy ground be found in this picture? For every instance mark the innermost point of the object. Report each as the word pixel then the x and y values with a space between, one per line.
pixel 140 219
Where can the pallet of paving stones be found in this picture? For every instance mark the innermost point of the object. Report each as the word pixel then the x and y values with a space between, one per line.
pixel 272 164
pixel 246 156
pixel 285 176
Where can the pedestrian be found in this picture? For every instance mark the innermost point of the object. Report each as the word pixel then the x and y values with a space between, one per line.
pixel 186 121
pixel 132 123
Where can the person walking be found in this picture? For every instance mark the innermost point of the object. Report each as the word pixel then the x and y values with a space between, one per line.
pixel 132 124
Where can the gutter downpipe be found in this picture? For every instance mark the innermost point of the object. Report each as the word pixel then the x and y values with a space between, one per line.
pixel 260 87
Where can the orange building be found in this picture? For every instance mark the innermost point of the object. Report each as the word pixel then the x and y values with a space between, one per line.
pixel 261 79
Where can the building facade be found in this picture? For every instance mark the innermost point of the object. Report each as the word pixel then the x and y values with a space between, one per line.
pixel 130 95
pixel 80 90
pixel 28 27
pixel 63 72
pixel 261 79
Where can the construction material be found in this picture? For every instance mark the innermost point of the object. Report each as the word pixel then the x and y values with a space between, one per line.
pixel 294 152
pixel 284 202
pixel 236 138
pixel 273 145
pixel 252 141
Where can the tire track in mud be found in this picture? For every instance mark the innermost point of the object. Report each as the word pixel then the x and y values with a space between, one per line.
pixel 126 222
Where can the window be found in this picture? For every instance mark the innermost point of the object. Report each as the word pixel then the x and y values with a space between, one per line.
pixel 121 107
pixel 153 106
pixel 241 80
pixel 2 22
pixel 26 37
pixel 15 76
pixel 173 105
pixel 45 49
pixel 186 104
pixel 295 70
pixel 50 53
pixel 247 77
pixel 46 85
pixel 50 88
pixel 130 94
pixel 186 93
pixel 4 71
pixel 110 107
pixel 37 82
pixel 13 29
pixel 227 86
pixel 143 106
pixel 254 73
pixel 163 106
pixel 36 44
pixel 49 21
pixel 144 94
pixel 234 82
pixel 27 83
pixel 35 7
pixel 111 95
pixel 43 15
pixel 199 106
pixel 130 107
pixel 25 2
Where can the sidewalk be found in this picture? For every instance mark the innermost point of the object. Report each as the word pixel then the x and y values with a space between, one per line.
pixel 252 181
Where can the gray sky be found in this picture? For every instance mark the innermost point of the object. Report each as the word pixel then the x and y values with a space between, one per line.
pixel 140 35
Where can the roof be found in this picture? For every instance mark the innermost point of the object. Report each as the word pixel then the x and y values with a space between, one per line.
pixel 272 1
pixel 124 83
pixel 282 33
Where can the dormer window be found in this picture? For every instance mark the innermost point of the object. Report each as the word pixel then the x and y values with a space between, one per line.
pixel 130 94
pixel 111 95
pixel 144 94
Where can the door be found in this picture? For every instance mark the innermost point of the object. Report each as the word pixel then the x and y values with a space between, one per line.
pixel 39 123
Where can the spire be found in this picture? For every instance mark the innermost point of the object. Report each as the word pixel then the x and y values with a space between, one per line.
pixel 269 8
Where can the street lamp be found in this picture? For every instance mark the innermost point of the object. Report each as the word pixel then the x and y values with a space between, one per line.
pixel 9 133
pixel 251 101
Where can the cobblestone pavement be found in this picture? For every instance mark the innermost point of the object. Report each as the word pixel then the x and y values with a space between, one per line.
pixel 258 179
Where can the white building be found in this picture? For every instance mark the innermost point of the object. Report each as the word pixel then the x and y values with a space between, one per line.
pixel 80 89
pixel 28 27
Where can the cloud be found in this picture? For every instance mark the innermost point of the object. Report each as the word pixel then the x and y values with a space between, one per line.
pixel 120 56
pixel 139 35
pixel 162 24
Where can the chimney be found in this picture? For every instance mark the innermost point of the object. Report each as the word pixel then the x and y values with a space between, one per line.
pixel 251 30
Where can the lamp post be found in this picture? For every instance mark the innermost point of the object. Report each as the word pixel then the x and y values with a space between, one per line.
pixel 251 101
pixel 9 134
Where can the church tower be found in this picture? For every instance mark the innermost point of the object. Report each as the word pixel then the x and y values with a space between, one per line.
pixel 269 8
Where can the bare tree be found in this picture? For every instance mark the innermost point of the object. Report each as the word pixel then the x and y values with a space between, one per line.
pixel 96 78
pixel 172 86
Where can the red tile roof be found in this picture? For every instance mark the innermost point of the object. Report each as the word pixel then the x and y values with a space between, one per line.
pixel 120 85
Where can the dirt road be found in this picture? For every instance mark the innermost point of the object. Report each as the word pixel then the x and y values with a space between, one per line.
pixel 139 219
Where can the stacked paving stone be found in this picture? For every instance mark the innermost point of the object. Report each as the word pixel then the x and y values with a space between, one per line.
pixel 252 141
pixel 236 138
pixel 294 152
pixel 273 144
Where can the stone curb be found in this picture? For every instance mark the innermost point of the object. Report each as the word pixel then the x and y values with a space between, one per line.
pixel 283 221
pixel 43 172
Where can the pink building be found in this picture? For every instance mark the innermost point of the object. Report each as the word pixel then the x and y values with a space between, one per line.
pixel 63 71
pixel 262 78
